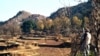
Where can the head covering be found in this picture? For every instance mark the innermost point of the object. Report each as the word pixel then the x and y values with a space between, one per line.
pixel 87 29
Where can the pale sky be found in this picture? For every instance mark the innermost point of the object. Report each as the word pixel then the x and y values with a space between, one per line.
pixel 9 8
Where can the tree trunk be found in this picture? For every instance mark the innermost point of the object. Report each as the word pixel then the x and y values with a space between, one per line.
pixel 95 15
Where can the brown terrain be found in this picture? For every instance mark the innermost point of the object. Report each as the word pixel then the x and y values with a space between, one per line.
pixel 39 46
pixel 33 47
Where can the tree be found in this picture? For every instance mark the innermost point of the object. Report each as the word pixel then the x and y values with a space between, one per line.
pixel 86 21
pixel 95 15
pixel 27 26
pixel 48 24
pixel 40 25
pixel 56 25
pixel 76 23
pixel 65 26
pixel 61 25
pixel 94 23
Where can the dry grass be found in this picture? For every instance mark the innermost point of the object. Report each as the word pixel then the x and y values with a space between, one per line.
pixel 24 48
pixel 31 48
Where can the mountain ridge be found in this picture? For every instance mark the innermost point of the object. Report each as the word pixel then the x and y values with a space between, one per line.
pixel 14 24
pixel 80 10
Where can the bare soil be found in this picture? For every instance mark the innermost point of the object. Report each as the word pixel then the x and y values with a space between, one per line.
pixel 53 48
pixel 46 48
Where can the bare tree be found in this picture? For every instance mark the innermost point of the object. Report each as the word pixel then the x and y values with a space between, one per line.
pixel 95 15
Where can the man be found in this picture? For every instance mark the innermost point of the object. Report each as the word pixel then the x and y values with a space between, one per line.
pixel 85 42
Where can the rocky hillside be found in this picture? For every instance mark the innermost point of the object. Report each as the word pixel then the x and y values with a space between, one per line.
pixel 22 16
pixel 81 10
pixel 13 25
pixel 35 17
pixel 18 18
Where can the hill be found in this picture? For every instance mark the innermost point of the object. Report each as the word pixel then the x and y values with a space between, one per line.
pixel 12 26
pixel 22 16
pixel 80 10
pixel 18 18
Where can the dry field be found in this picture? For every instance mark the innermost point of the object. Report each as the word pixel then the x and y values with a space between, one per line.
pixel 40 47
pixel 53 48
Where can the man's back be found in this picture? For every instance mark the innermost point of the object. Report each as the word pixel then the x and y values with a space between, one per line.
pixel 86 38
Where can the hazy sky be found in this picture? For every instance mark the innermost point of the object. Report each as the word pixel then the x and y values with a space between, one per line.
pixel 9 8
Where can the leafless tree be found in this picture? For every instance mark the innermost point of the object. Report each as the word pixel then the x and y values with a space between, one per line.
pixel 95 15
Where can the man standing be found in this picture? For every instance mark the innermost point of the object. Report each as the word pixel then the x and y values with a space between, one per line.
pixel 85 42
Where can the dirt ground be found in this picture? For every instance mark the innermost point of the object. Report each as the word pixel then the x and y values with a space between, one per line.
pixel 52 48
pixel 48 47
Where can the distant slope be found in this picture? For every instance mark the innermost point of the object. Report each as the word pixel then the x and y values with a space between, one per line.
pixel 13 25
pixel 81 10
pixel 22 16
pixel 35 17
pixel 18 18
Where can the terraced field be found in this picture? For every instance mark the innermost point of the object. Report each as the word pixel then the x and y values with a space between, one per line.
pixel 34 47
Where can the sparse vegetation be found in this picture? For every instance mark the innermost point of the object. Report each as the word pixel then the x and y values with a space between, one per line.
pixel 60 31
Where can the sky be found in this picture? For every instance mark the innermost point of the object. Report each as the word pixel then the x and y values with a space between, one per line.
pixel 9 8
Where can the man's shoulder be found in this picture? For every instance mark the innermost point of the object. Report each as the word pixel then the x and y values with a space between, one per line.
pixel 88 34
